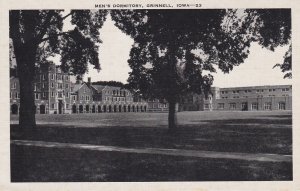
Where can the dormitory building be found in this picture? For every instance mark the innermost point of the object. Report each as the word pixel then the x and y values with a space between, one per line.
pixel 55 93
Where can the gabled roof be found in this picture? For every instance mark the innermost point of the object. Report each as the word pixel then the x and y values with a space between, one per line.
pixel 98 88
pixel 78 87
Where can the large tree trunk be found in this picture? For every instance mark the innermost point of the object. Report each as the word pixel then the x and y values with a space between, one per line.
pixel 172 116
pixel 25 57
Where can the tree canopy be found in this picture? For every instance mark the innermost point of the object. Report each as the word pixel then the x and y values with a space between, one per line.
pixel 38 34
pixel 176 51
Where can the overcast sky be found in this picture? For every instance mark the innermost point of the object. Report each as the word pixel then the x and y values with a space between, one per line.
pixel 256 70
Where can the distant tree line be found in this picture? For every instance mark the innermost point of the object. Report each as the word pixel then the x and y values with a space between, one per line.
pixel 110 83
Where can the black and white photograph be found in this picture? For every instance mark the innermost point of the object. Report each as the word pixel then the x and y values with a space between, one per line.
pixel 155 93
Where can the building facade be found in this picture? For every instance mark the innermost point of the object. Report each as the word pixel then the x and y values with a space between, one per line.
pixel 55 93
pixel 254 98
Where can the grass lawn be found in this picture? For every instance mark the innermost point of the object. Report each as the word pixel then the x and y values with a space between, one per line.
pixel 245 132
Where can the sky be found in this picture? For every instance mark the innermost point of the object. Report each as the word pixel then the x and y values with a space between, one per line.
pixel 255 71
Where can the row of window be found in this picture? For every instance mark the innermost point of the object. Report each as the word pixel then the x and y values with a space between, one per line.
pixel 254 106
pixel 37 95
pixel 16 95
pixel 257 91
pixel 117 92
pixel 60 85
pixel 159 105
pixel 259 96
pixel 52 77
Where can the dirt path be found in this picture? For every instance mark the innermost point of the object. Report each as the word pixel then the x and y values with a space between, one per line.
pixel 159 151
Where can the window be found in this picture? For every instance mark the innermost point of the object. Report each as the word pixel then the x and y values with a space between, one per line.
pixel 285 89
pixel 87 98
pixel 44 94
pixel 14 86
pixel 74 98
pixel 268 106
pixel 67 86
pixel 16 95
pixel 36 96
pixel 10 95
pixel 60 86
pixel 52 76
pixel 254 106
pixel 43 85
pixel 43 77
pixel 82 98
pixel 281 105
pixel 52 85
pixel 67 94
pixel 59 95
pixel 67 106
pixel 232 105
pixel 221 105
pixel 53 106
pixel 52 94
pixel 244 106
pixel 35 87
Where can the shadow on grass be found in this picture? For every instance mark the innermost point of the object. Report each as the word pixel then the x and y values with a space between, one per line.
pixel 218 135
pixel 62 165
pixel 276 122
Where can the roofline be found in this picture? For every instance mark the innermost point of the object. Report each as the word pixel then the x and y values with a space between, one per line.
pixel 252 87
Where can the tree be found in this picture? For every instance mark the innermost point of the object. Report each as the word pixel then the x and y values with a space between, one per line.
pixel 272 28
pixel 110 83
pixel 38 34
pixel 174 48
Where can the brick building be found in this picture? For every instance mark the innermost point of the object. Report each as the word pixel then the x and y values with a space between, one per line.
pixel 55 93
pixel 277 97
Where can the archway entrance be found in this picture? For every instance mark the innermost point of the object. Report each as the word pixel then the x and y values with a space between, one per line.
pixel 115 108
pixel 120 108
pixel 81 109
pixel 129 108
pixel 104 108
pixel 60 107
pixel 74 109
pixel 94 109
pixel 42 109
pixel 14 109
pixel 87 108
pixel 99 109
pixel 109 108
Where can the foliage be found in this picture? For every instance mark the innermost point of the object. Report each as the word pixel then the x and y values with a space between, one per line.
pixel 272 28
pixel 286 66
pixel 44 28
pixel 38 34
pixel 174 51
pixel 109 83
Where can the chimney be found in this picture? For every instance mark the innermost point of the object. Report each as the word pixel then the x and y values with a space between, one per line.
pixel 89 81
